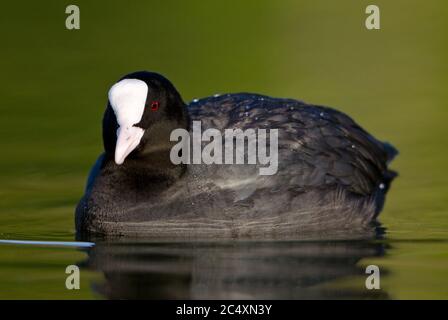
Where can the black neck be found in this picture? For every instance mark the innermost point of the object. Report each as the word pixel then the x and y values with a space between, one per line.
pixel 140 178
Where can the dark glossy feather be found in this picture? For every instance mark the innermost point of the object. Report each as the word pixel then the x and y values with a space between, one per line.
pixel 332 175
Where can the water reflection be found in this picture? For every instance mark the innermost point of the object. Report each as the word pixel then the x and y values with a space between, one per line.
pixel 231 270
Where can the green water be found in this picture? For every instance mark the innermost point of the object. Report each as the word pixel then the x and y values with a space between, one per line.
pixel 53 88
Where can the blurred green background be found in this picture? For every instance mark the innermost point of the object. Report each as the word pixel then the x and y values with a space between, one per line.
pixel 54 86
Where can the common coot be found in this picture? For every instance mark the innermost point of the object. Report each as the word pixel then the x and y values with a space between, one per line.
pixel 328 175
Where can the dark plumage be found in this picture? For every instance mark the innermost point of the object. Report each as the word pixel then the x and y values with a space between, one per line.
pixel 332 174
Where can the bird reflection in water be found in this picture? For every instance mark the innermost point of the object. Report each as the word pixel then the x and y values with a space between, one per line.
pixel 232 269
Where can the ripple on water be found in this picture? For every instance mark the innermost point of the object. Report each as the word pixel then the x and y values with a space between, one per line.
pixel 76 244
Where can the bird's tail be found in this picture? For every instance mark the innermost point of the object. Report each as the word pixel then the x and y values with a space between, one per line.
pixel 391 151
pixel 390 175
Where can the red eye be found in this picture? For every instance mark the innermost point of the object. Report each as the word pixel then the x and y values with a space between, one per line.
pixel 154 105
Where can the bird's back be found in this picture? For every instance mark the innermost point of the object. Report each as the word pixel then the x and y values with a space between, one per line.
pixel 318 147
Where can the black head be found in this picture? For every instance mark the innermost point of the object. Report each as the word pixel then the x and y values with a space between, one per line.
pixel 142 110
